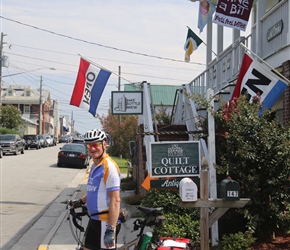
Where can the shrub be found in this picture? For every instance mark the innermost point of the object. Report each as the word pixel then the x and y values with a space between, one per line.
pixel 179 221
pixel 128 183
pixel 238 241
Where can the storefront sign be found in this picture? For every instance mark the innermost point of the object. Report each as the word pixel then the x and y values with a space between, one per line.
pixel 127 102
pixel 175 159
pixel 275 30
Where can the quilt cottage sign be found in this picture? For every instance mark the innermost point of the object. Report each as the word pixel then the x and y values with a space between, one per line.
pixel 175 159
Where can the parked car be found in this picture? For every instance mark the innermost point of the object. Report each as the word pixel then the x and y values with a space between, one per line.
pixel 12 143
pixel 63 139
pixel 54 140
pixel 78 140
pixel 74 155
pixel 32 141
pixel 43 142
pixel 48 140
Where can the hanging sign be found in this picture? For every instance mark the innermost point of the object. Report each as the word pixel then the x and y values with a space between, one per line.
pixel 127 102
pixel 175 159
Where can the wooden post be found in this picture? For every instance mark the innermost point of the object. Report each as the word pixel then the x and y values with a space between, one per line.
pixel 204 217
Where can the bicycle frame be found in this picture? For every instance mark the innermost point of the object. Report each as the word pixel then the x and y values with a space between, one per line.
pixel 151 219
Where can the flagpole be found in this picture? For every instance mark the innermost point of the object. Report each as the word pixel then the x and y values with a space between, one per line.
pixel 277 72
pixel 101 67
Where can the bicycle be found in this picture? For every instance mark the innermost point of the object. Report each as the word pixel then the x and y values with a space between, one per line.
pixel 152 218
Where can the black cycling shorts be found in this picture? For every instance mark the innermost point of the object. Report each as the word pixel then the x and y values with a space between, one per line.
pixel 94 236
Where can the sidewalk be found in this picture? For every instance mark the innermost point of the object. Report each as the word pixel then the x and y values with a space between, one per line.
pixel 60 236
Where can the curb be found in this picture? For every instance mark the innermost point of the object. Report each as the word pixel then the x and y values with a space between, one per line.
pixel 58 222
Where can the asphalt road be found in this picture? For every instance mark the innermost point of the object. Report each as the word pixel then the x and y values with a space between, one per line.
pixel 29 183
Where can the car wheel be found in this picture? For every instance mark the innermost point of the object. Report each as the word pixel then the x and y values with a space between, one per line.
pixel 26 148
pixel 22 151
pixel 1 153
pixel 58 164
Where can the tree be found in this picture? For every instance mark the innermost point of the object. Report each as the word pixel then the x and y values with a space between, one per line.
pixel 162 117
pixel 122 130
pixel 255 151
pixel 10 117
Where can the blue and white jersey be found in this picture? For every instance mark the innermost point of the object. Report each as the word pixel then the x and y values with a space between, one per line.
pixel 103 179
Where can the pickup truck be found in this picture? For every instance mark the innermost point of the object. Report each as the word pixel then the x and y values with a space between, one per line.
pixel 12 143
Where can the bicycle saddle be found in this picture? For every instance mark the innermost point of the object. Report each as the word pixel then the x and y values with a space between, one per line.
pixel 149 210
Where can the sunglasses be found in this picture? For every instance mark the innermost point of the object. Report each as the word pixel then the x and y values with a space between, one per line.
pixel 95 145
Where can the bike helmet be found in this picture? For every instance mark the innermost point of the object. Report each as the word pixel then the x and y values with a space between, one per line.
pixel 95 135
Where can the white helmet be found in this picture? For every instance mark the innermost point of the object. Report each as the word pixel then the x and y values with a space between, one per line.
pixel 95 135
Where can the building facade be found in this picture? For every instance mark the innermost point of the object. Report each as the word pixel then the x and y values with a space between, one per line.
pixel 35 110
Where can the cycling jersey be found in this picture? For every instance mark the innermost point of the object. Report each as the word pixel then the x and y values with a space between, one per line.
pixel 103 179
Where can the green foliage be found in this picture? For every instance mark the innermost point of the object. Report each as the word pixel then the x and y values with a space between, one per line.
pixel 128 183
pixel 162 117
pixel 255 151
pixel 10 117
pixel 4 131
pixel 123 129
pixel 238 241
pixel 179 221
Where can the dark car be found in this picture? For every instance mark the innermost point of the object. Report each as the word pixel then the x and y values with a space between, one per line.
pixel 78 140
pixel 12 143
pixel 64 139
pixel 32 141
pixel 74 155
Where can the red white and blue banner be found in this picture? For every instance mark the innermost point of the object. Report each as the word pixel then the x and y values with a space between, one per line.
pixel 89 86
pixel 256 79
pixel 233 14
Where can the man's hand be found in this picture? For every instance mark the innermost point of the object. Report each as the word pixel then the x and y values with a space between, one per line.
pixel 109 238
pixel 77 203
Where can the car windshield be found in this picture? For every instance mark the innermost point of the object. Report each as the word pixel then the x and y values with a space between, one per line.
pixel 7 137
pixel 74 147
pixel 29 137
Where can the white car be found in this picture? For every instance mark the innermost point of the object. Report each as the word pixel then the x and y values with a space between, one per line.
pixel 49 140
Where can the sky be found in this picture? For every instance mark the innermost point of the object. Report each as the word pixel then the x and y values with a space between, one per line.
pixel 144 39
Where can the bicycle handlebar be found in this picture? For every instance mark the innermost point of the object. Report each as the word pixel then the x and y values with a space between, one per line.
pixel 77 216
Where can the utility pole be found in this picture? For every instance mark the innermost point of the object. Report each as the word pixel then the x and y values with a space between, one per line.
pixel 40 108
pixel 119 89
pixel 1 64
pixel 72 122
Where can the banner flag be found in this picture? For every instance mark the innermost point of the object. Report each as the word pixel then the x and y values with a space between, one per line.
pixel 89 86
pixel 256 79
pixel 191 44
pixel 233 14
pixel 206 10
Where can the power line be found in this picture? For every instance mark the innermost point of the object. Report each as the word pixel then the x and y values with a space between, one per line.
pixel 97 44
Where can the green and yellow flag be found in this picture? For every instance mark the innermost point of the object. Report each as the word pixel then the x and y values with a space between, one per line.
pixel 191 44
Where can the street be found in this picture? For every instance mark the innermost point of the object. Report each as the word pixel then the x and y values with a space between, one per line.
pixel 29 184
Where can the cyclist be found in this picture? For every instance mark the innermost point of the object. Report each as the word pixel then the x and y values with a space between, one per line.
pixel 103 194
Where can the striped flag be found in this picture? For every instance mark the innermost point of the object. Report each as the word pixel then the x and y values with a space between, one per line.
pixel 89 86
pixel 191 44
pixel 255 79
